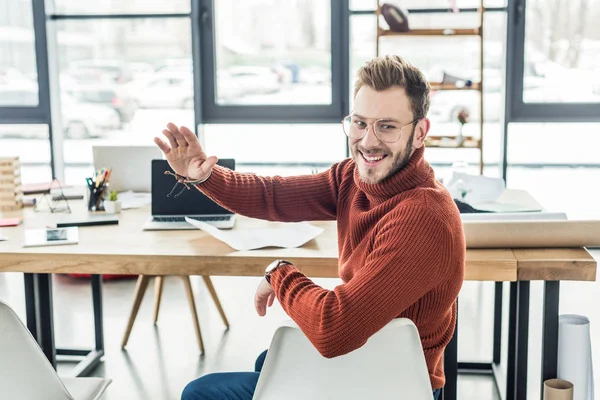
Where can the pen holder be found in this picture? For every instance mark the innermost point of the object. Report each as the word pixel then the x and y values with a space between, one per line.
pixel 96 199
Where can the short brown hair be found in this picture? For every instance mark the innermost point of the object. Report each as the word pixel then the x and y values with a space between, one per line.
pixel 385 72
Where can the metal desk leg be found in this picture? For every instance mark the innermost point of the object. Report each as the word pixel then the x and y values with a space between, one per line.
pixel 449 392
pixel 498 323
pixel 511 365
pixel 550 331
pixel 40 320
pixel 522 341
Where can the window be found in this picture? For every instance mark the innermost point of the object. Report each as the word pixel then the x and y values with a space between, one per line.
pixel 554 53
pixel 18 72
pixel 273 52
pixel 558 165
pixel 562 52
pixel 121 81
pixel 121 6
pixel 35 160
pixel 273 61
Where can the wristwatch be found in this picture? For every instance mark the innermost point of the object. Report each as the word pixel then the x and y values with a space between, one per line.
pixel 273 266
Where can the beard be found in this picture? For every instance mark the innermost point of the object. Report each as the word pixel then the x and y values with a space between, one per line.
pixel 389 166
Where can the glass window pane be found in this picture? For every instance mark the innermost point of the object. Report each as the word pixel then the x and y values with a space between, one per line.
pixel 276 143
pixel 18 72
pixel 121 81
pixel 30 143
pixel 121 6
pixel 559 172
pixel 273 52
pixel 562 51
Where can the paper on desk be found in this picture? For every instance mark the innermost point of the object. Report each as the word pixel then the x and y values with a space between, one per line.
pixel 3 238
pixel 478 188
pixel 131 199
pixel 284 235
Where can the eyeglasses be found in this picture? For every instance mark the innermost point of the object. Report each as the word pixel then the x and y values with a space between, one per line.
pixel 386 130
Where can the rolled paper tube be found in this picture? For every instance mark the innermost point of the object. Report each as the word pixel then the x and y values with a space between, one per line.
pixel 558 389
pixel 574 355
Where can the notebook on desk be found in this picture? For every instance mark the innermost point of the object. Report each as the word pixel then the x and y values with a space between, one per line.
pixel 169 212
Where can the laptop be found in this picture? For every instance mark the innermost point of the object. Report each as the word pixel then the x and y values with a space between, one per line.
pixel 168 213
pixel 130 166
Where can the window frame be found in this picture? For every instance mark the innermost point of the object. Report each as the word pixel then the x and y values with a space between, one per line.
pixel 517 110
pixel 211 112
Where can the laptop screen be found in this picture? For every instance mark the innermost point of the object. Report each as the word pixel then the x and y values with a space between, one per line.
pixel 189 202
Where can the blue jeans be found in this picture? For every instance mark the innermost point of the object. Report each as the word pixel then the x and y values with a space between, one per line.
pixel 231 385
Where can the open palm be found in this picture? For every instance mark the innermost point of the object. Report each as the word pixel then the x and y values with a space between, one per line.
pixel 184 153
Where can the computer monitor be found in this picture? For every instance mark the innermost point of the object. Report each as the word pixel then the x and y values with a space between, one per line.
pixel 189 202
pixel 131 165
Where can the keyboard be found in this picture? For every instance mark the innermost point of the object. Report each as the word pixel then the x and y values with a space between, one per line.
pixel 182 219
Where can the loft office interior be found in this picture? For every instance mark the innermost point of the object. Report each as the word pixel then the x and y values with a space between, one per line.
pixel 267 83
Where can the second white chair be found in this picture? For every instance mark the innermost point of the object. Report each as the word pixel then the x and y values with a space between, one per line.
pixel 391 365
pixel 26 374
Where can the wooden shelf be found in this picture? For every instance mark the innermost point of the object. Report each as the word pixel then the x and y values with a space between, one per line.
pixel 450 86
pixel 450 142
pixel 432 32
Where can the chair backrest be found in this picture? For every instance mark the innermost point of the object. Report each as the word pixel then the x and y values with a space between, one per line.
pixel 391 365
pixel 25 373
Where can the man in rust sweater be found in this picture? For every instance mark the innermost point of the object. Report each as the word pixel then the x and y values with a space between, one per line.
pixel 400 237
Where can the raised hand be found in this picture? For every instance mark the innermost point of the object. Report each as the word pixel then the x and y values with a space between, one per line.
pixel 184 153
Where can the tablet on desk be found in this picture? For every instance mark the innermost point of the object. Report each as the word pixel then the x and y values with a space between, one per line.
pixel 50 237
pixel 87 220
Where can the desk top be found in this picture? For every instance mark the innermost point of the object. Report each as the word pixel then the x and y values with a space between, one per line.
pixel 127 249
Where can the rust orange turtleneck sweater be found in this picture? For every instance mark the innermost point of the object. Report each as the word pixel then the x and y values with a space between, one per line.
pixel 401 252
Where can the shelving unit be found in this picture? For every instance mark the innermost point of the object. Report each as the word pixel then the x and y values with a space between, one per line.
pixel 447 142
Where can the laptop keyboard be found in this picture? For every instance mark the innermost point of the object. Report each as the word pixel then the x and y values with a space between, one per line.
pixel 182 219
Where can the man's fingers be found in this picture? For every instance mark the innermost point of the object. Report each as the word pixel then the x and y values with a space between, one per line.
pixel 171 138
pixel 271 300
pixel 189 136
pixel 208 164
pixel 259 305
pixel 163 146
pixel 177 134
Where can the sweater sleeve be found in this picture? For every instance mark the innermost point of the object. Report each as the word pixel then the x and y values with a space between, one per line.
pixel 289 199
pixel 410 256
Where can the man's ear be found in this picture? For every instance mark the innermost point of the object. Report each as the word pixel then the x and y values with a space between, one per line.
pixel 421 131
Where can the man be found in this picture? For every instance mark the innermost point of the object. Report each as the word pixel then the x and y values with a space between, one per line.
pixel 400 237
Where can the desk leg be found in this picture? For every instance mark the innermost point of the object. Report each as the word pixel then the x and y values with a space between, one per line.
pixel 511 365
pixel 40 320
pixel 97 304
pixel 30 304
pixel 522 349
pixel 498 298
pixel 449 392
pixel 550 331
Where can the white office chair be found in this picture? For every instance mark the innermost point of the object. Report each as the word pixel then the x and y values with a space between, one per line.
pixel 26 374
pixel 391 365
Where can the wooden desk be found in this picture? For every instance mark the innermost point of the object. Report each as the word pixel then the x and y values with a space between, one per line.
pixel 127 249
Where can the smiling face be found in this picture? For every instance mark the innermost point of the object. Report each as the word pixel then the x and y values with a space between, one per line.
pixel 377 160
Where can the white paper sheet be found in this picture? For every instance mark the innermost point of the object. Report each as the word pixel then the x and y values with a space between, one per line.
pixel 134 199
pixel 2 238
pixel 479 189
pixel 519 216
pixel 574 355
pixel 284 235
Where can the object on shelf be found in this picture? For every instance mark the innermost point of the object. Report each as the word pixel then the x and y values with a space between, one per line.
pixel 463 118
pixel 11 191
pixel 396 18
pixel 458 82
